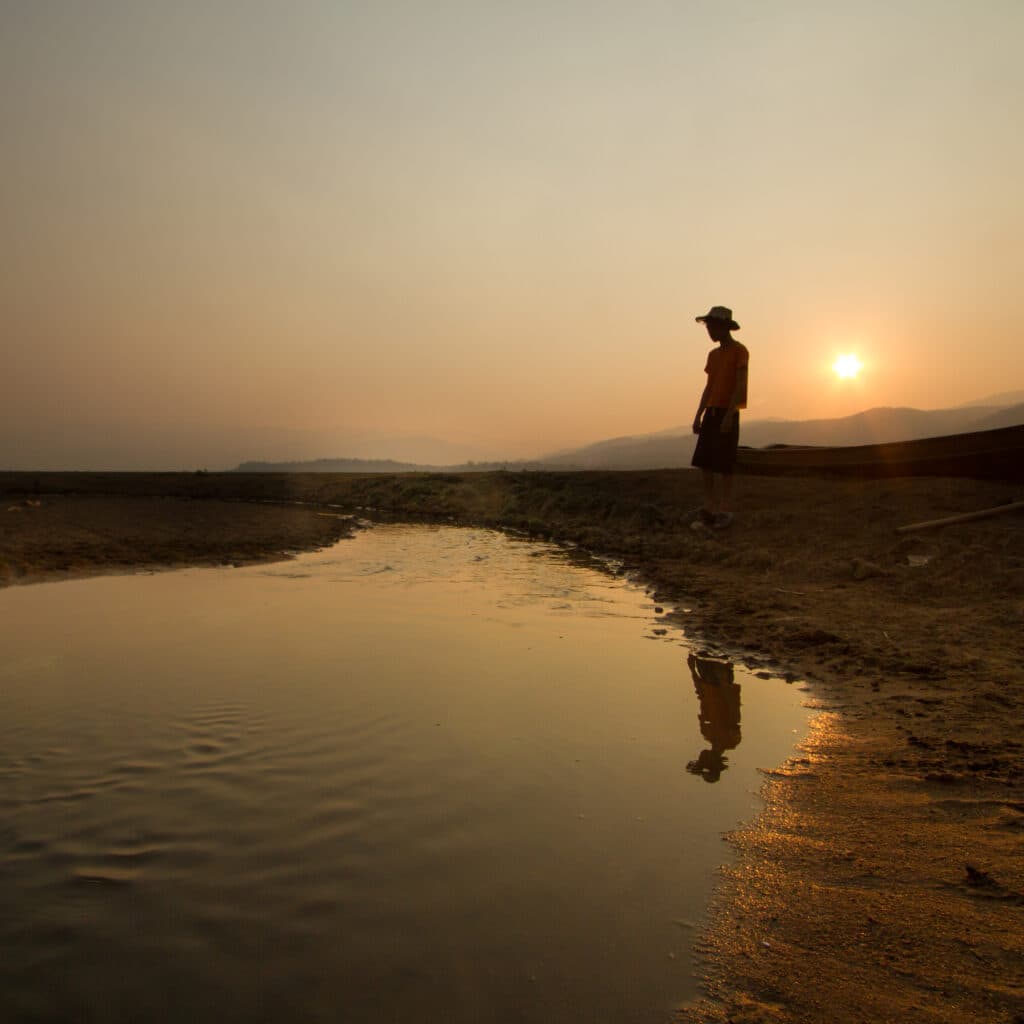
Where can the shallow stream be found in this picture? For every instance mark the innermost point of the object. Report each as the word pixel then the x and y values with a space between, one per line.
pixel 427 774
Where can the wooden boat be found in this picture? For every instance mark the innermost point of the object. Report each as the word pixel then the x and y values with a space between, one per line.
pixel 984 454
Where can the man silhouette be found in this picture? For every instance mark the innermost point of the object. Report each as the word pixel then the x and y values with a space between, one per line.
pixel 717 423
pixel 719 716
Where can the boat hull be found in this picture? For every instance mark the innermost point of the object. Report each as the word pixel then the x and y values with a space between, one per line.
pixel 986 454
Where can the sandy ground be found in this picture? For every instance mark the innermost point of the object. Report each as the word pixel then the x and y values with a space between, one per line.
pixel 884 880
pixel 49 537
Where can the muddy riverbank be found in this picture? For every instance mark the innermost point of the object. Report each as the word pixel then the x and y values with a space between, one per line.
pixel 883 880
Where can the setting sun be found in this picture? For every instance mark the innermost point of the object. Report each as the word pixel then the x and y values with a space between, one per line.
pixel 847 366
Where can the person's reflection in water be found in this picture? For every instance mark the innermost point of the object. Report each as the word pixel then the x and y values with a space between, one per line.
pixel 719 716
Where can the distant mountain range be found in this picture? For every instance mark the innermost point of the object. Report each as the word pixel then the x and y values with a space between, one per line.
pixel 376 466
pixel 672 448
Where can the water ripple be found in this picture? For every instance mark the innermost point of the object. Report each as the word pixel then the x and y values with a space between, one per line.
pixel 264 794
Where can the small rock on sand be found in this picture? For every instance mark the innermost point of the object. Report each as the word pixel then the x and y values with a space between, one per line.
pixel 864 570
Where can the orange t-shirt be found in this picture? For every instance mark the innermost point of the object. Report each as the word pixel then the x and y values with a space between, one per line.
pixel 722 366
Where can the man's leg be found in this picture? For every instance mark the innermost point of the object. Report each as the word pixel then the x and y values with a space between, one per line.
pixel 723 516
pixel 725 502
pixel 709 491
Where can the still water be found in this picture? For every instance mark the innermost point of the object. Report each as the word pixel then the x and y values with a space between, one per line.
pixel 427 774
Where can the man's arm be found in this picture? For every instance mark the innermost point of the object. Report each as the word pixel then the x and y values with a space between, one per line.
pixel 700 408
pixel 738 393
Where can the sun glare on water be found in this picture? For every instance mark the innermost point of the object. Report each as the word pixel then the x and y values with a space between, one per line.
pixel 847 366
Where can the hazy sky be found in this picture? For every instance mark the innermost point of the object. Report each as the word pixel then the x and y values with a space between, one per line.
pixel 241 229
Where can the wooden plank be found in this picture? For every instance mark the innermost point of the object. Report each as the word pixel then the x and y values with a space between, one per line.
pixel 966 517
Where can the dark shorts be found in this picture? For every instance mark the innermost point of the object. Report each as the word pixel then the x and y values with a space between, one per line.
pixel 717 450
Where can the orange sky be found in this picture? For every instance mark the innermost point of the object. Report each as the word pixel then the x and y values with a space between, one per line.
pixel 308 230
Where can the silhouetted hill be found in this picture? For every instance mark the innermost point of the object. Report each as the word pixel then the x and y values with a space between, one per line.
pixel 665 450
pixel 870 427
pixel 1002 400
pixel 670 449
pixel 673 448
pixel 331 466
pixel 373 466
pixel 1003 418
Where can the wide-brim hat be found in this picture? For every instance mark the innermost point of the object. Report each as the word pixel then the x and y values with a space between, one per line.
pixel 719 313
